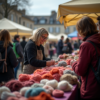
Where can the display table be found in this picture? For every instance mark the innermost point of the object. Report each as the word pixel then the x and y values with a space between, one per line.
pixel 73 95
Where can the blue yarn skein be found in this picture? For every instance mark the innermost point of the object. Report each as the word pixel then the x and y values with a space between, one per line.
pixel 34 92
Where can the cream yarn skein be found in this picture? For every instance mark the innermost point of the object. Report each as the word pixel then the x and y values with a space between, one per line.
pixel 43 81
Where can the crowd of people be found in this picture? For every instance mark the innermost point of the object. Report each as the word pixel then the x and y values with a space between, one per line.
pixel 34 54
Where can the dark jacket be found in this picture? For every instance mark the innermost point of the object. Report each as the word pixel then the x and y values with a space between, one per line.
pixel 87 55
pixel 30 53
pixel 11 63
pixel 59 47
pixel 70 47
pixel 23 43
pixel 19 50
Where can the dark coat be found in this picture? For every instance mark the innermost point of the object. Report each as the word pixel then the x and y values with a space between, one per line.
pixel 59 47
pixel 70 47
pixel 11 63
pixel 30 54
pixel 87 55
pixel 23 43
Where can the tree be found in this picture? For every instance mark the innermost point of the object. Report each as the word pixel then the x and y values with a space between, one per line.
pixel 9 5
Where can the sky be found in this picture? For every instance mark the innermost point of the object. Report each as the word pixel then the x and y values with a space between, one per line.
pixel 44 7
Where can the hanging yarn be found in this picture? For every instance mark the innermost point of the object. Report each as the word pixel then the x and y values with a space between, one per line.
pixel 23 90
pixel 14 85
pixel 42 96
pixel 57 77
pixel 70 78
pixel 47 76
pixel 23 77
pixel 5 95
pixel 43 81
pixel 52 83
pixel 35 85
pixel 54 71
pixel 34 92
pixel 4 89
pixel 17 94
pixel 36 77
pixel 48 89
pixel 62 63
pixel 28 83
pixel 12 98
pixel 58 93
pixel 64 86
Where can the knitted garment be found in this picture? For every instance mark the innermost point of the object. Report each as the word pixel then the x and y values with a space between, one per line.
pixel 35 85
pixel 62 63
pixel 48 89
pixel 47 76
pixel 42 96
pixel 34 92
pixel 70 78
pixel 43 81
pixel 57 77
pixel 23 90
pixel 28 83
pixel 64 86
pixel 23 77
pixel 5 95
pixel 13 98
pixel 54 71
pixel 4 89
pixel 36 77
pixel 52 83
pixel 58 93
pixel 14 85
pixel 17 94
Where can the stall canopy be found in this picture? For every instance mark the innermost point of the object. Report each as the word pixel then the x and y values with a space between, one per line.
pixel 73 34
pixel 15 28
pixel 70 12
pixel 50 38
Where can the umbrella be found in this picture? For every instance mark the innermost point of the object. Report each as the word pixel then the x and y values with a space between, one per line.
pixel 73 34
pixel 70 12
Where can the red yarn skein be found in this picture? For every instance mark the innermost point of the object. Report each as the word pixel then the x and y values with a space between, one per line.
pixel 23 77
pixel 54 71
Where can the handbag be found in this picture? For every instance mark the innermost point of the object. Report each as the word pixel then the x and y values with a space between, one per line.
pixel 65 49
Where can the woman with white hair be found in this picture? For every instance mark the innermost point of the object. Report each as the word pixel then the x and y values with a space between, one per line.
pixel 34 57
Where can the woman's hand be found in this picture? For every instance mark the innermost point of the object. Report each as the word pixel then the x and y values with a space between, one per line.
pixel 50 63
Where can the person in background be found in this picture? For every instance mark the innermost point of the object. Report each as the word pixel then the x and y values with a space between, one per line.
pixel 51 49
pixel 34 57
pixel 75 45
pixel 46 49
pixel 23 43
pixel 60 46
pixel 67 42
pixel 90 88
pixel 11 60
pixel 18 52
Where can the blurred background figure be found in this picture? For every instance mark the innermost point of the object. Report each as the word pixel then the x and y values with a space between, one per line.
pixel 18 52
pixel 46 49
pixel 76 45
pixel 60 46
pixel 51 50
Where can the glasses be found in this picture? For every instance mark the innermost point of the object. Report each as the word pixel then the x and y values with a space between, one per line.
pixel 45 38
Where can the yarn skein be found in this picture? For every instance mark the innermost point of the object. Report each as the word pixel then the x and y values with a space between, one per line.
pixel 17 94
pixel 64 86
pixel 62 63
pixel 34 92
pixel 35 85
pixel 43 81
pixel 23 77
pixel 12 98
pixel 52 83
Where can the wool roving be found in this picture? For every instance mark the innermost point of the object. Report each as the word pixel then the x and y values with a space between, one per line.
pixel 52 83
pixel 57 77
pixel 48 89
pixel 34 92
pixel 12 98
pixel 42 96
pixel 14 85
pixel 43 81
pixel 3 89
pixel 23 90
pixel 36 77
pixel 58 93
pixel 28 83
pixel 70 78
pixel 17 94
pixel 47 76
pixel 62 63
pixel 23 77
pixel 64 86
pixel 5 95
pixel 35 85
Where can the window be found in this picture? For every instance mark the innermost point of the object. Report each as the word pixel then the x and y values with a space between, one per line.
pixel 35 20
pixel 51 20
pixel 16 19
pixel 31 26
pixel 42 21
pixel 57 29
pixel 27 24
pixel 51 29
pixel 67 30
pixel 20 20
pixel 57 22
pixel 24 23
pixel 11 17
